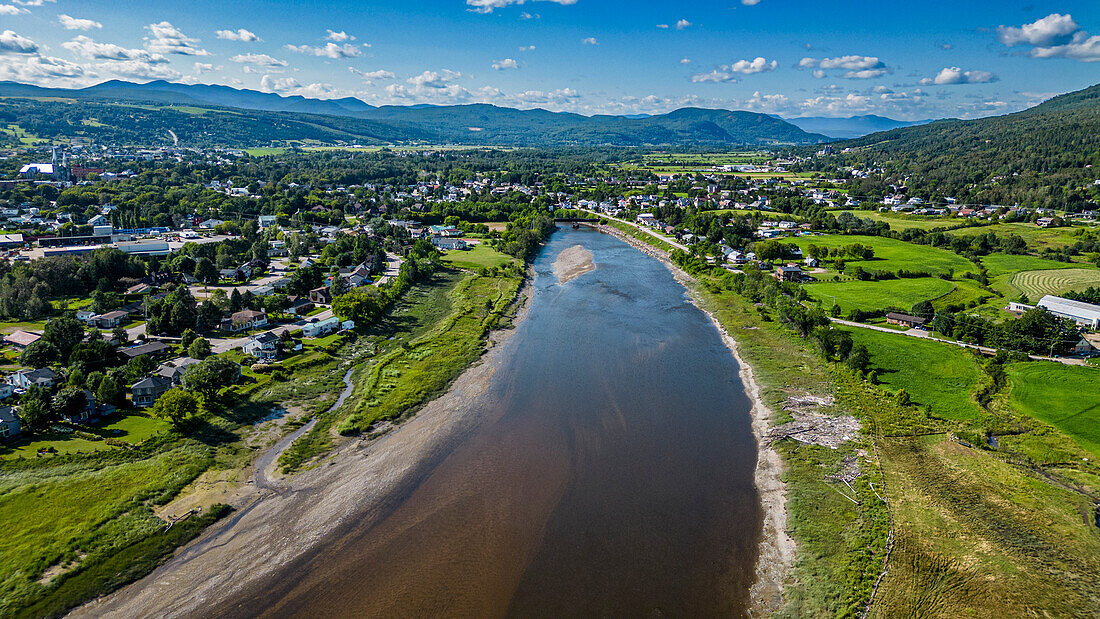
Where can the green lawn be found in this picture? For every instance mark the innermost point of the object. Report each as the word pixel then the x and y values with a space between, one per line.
pixel 893 255
pixel 937 375
pixel 478 256
pixel 870 296
pixel 1065 396
pixel 130 427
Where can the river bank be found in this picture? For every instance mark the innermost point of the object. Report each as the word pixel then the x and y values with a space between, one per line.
pixel 777 548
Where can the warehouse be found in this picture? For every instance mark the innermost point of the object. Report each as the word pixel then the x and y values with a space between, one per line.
pixel 1084 314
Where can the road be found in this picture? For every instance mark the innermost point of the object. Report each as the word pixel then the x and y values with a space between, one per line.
pixel 648 231
pixel 928 336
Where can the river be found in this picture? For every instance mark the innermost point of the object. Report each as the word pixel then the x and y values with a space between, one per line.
pixel 611 476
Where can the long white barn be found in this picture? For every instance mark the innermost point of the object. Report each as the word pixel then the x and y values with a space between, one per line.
pixel 1084 314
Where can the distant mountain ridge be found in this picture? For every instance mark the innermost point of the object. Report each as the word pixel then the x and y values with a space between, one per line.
pixel 476 124
pixel 851 126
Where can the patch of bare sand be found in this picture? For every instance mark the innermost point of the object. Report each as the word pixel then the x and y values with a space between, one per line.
pixel 572 263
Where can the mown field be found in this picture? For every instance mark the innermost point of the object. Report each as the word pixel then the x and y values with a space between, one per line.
pixel 870 296
pixel 893 255
pixel 1067 397
pixel 1035 284
pixel 478 256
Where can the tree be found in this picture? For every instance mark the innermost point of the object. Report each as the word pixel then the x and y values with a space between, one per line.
pixel 64 332
pixel 924 309
pixel 39 354
pixel 361 305
pixel 206 271
pixel 35 411
pixel 208 377
pixel 859 359
pixel 110 391
pixel 199 349
pixel 187 337
pixel 235 301
pixel 69 401
pixel 175 406
pixel 119 335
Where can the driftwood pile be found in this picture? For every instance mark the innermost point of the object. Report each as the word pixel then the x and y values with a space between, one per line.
pixel 812 427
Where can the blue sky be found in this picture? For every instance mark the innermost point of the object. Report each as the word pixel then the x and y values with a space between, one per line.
pixel 906 60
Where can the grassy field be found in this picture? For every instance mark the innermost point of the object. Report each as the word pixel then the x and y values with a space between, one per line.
pixel 935 375
pixel 869 296
pixel 1036 238
pixel 132 427
pixel 649 239
pixel 893 255
pixel 899 221
pixel 1064 396
pixel 478 256
pixel 1035 284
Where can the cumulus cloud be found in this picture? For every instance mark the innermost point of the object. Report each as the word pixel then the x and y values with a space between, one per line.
pixel 1052 29
pixel 13 43
pixel 434 79
pixel 682 24
pixel 205 67
pixel 42 70
pixel 260 60
pixel 527 48
pixel 239 34
pixel 955 75
pixel 750 2
pixel 685 61
pixel 72 23
pixel 380 74
pixel 855 67
pixel 1082 47
pixel 167 39
pixel 339 37
pixel 757 65
pixel 716 76
pixel 488 6
pixel 590 41
pixel 11 9
pixel 330 50
pixel 140 69
pixel 507 63
pixel 89 48
pixel 541 98
pixel 277 84
pixel 32 2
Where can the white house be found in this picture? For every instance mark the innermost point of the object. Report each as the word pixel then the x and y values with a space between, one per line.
pixel 263 346
pixel 322 328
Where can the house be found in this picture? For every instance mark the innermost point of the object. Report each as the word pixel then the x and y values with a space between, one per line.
pixel 448 244
pixel 322 328
pixel 646 219
pixel 146 391
pixel 110 320
pixel 1085 348
pixel 300 306
pixel 88 413
pixel 263 346
pixel 244 320
pixel 9 423
pixel 176 369
pixel 448 231
pixel 1044 222
pixel 42 377
pixel 149 348
pixel 6 390
pixel 22 339
pixel 789 273
pixel 266 221
pixel 811 262
pixel 1084 314
pixel 905 320
pixel 320 296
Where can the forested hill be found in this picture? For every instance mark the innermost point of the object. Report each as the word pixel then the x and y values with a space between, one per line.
pixel 200 115
pixel 1038 157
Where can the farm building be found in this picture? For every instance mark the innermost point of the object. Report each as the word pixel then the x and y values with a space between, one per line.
pixel 1084 314
pixel 905 320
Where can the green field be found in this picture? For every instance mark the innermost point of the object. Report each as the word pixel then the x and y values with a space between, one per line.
pixel 1036 238
pixel 1035 284
pixel 130 427
pixel 893 255
pixel 870 296
pixel 898 221
pixel 937 375
pixel 478 256
pixel 1065 396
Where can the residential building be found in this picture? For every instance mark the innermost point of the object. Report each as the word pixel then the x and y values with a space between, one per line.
pixel 789 273
pixel 110 320
pixel 149 348
pixel 86 414
pixel 264 346
pixel 448 244
pixel 320 296
pixel 905 320
pixel 22 339
pixel 245 320
pixel 146 391
pixel 10 426
pixel 175 369
pixel 322 328
pixel 42 377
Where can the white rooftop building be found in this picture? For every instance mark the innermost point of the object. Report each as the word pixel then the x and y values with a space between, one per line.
pixel 1084 314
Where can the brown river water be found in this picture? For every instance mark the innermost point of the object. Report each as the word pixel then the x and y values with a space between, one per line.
pixel 613 477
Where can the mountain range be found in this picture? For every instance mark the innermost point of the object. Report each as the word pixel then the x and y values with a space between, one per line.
pixel 851 126
pixel 476 124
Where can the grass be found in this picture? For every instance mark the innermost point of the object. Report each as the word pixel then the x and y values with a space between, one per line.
pixel 647 238
pixel 1036 284
pixel 894 255
pixel 1036 238
pixel 478 256
pixel 132 427
pixel 869 296
pixel 938 376
pixel 898 221
pixel 1064 396
pixel 65 512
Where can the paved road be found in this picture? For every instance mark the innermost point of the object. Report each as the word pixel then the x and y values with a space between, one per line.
pixel 928 336
pixel 649 231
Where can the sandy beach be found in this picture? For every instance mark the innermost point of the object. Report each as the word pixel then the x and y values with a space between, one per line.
pixel 572 263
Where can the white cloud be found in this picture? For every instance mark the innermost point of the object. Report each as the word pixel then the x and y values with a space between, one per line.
pixel 87 47
pixel 330 50
pixel 507 63
pixel 852 63
pixel 750 2
pixel 42 70
pixel 716 76
pixel 260 60
pixel 32 2
pixel 685 61
pixel 955 75
pixel 542 98
pixel 488 6
pixel 434 79
pixel 527 48
pixel 590 41
pixel 139 69
pixel 167 39
pixel 1082 47
pixel 277 84
pixel 73 23
pixel 1052 29
pixel 380 74
pixel 12 43
pixel 663 26
pixel 239 34
pixel 339 37
pixel 819 74
pixel 205 67
pixel 757 65
pixel 865 74
pixel 682 24
pixel 11 9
